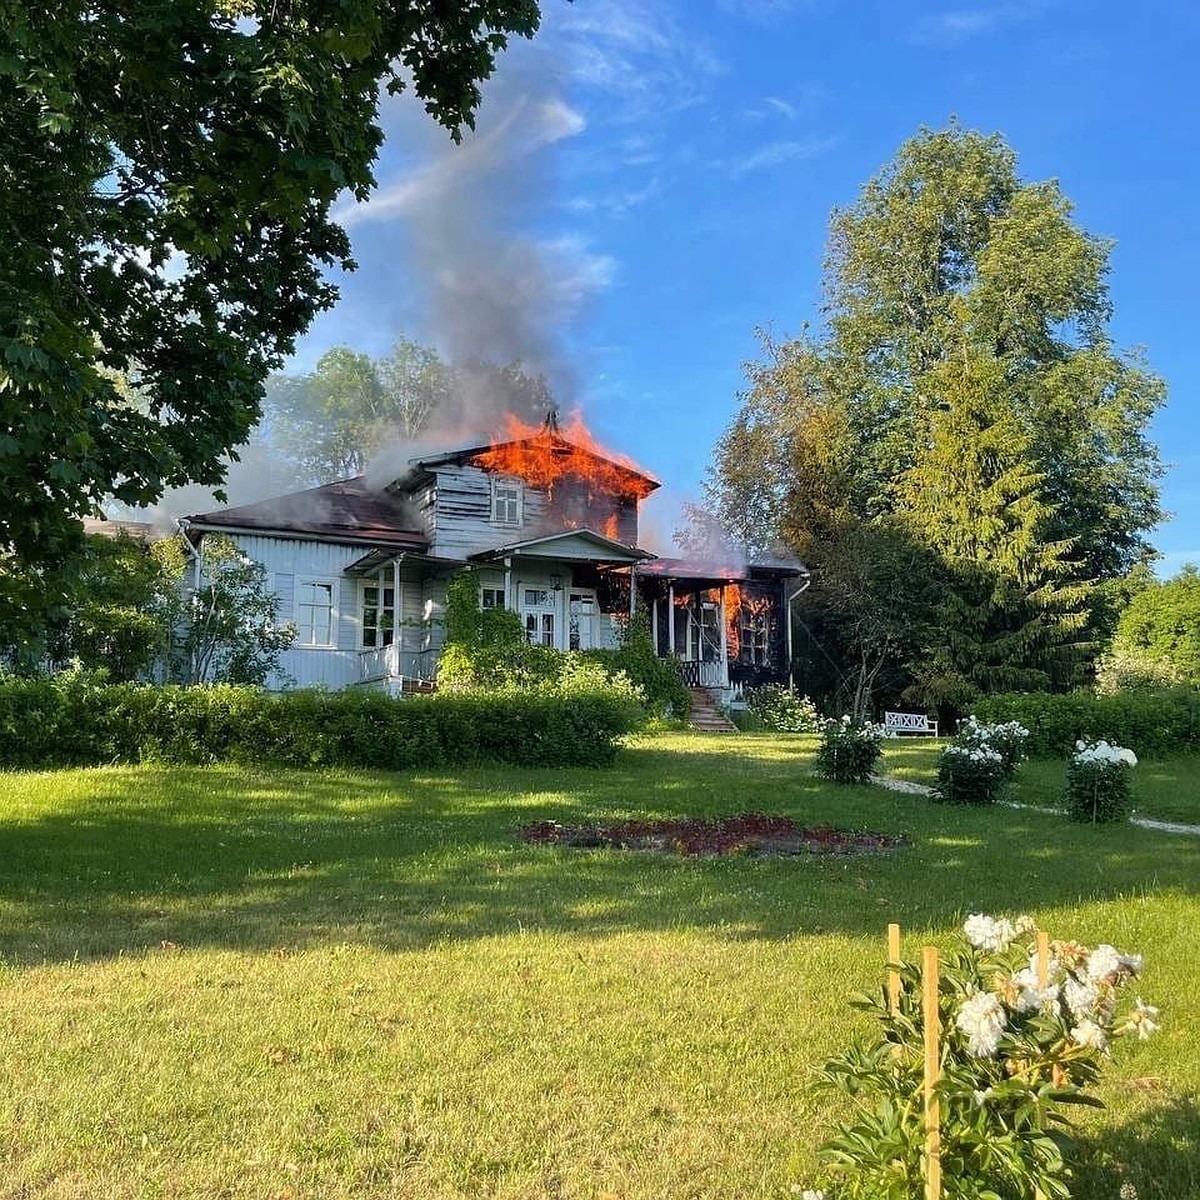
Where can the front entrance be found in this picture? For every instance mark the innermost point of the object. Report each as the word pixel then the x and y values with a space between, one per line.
pixel 538 615
pixel 581 620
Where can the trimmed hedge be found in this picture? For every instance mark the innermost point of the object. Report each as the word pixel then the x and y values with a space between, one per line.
pixel 1149 723
pixel 75 722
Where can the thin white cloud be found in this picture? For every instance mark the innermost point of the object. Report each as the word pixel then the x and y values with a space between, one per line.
pixel 789 111
pixel 765 11
pixel 953 26
pixel 774 154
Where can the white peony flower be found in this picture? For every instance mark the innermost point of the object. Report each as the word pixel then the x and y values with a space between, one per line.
pixel 982 1018
pixel 808 1193
pixel 988 933
pixel 1131 963
pixel 1141 1020
pixel 1103 963
pixel 1081 998
pixel 1090 1035
pixel 1030 997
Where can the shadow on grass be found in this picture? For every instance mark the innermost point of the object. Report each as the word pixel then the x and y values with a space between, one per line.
pixel 1157 1151
pixel 107 862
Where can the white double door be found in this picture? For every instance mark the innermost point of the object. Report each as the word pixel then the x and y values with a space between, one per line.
pixel 564 619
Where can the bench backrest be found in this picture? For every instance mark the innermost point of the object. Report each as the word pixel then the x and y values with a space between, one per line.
pixel 909 722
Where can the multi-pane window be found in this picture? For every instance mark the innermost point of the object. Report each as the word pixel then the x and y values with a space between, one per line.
pixel 506 501
pixel 581 614
pixel 378 616
pixel 755 635
pixel 491 598
pixel 314 613
pixel 537 610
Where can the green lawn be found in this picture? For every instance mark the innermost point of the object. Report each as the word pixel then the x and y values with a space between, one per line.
pixel 1166 791
pixel 232 983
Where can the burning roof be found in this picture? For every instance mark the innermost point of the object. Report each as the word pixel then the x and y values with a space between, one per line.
pixel 543 455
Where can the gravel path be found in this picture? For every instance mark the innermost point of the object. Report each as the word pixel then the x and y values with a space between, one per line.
pixel 920 789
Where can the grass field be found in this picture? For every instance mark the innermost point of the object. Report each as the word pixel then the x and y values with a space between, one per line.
pixel 234 983
pixel 1166 790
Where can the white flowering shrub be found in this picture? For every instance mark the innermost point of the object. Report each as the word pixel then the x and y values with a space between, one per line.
pixel 970 775
pixel 849 749
pixel 1098 782
pixel 980 760
pixel 1014 1056
pixel 1006 738
pixel 780 709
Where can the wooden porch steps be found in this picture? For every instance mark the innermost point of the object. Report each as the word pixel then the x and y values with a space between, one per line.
pixel 706 715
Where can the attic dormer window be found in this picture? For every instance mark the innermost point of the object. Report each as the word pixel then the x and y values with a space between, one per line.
pixel 507 497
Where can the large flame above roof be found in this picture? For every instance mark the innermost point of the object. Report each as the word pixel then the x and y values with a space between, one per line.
pixel 543 455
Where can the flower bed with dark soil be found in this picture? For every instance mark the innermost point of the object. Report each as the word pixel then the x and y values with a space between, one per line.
pixel 754 835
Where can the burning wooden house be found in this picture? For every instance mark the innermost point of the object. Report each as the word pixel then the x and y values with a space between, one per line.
pixel 548 518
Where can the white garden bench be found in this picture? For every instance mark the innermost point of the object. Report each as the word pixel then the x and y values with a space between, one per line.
pixel 915 723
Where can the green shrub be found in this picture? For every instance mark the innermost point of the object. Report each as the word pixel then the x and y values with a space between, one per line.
pixel 73 720
pixel 1098 783
pixel 780 709
pixel 970 775
pixel 849 749
pixel 1152 723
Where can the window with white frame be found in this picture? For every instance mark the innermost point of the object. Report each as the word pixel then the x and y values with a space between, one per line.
pixel 315 612
pixel 378 616
pixel 491 597
pixel 507 498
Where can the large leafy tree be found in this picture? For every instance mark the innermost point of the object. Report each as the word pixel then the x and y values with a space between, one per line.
pixel 1160 628
pixel 327 424
pixel 966 388
pixel 166 177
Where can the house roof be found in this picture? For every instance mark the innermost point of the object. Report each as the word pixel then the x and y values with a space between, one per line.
pixel 638 482
pixel 571 544
pixel 730 572
pixel 345 511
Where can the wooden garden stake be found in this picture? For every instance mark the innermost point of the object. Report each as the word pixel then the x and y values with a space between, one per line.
pixel 893 983
pixel 1043 979
pixel 932 1023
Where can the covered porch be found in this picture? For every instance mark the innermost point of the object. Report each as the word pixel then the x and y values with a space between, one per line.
pixel 400 600
pixel 728 624
pixel 560 586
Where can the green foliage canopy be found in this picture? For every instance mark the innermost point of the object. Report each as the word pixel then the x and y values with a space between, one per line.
pixel 1161 626
pixel 166 177
pixel 964 397
pixel 326 424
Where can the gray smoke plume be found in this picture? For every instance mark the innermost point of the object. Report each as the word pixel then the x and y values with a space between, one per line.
pixel 495 284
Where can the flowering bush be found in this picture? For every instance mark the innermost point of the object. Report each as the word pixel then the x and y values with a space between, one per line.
pixel 970 775
pixel 849 749
pixel 1098 784
pixel 1006 738
pixel 980 760
pixel 778 708
pixel 1013 1054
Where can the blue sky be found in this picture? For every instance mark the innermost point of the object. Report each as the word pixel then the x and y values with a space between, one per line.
pixel 652 180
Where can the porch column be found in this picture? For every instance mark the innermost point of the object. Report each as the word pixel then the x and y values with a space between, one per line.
pixel 671 617
pixel 654 626
pixel 508 592
pixel 724 640
pixel 397 616
pixel 632 589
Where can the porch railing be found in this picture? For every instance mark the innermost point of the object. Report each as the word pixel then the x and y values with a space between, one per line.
pixel 704 674
pixel 392 662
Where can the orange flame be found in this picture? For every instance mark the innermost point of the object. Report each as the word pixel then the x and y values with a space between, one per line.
pixel 543 457
pixel 737 601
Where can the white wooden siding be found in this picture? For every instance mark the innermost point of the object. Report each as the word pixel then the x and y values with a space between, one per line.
pixel 462 524
pixel 287 559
